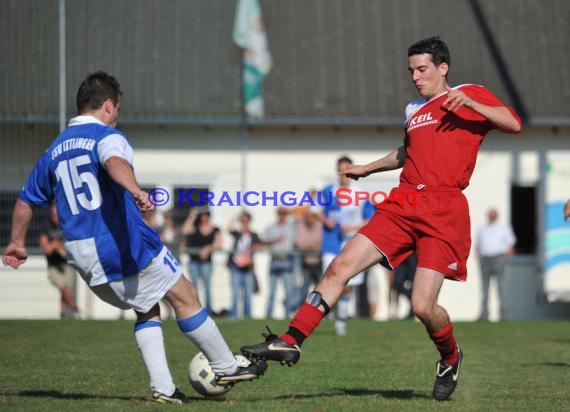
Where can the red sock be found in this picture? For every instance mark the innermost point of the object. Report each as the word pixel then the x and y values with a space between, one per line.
pixel 303 324
pixel 446 345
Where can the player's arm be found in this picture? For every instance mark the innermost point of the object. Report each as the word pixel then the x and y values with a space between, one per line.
pixel 567 211
pixel 499 116
pixel 116 156
pixel 122 173
pixel 15 253
pixel 394 160
pixel 37 192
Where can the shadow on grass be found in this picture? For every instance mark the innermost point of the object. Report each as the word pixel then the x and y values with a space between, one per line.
pixel 388 394
pixel 53 394
pixel 393 394
pixel 357 392
pixel 64 395
pixel 563 364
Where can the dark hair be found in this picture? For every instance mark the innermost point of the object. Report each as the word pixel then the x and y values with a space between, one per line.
pixel 343 159
pixel 434 46
pixel 95 89
pixel 199 217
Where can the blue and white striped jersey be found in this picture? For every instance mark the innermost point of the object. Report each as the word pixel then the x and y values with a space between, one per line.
pixel 105 235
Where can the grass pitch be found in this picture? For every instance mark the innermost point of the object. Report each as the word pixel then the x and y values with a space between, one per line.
pixel 94 365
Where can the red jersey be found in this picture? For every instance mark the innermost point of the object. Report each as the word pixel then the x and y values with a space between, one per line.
pixel 442 146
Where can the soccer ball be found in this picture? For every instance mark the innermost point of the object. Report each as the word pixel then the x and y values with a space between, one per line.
pixel 203 379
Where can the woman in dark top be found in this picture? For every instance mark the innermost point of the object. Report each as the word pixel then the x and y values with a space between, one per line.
pixel 241 264
pixel 202 238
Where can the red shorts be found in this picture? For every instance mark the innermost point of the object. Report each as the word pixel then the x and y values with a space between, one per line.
pixel 434 223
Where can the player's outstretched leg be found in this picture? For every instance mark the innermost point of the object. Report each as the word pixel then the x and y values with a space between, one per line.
pixel 274 348
pixel 358 254
pixel 286 348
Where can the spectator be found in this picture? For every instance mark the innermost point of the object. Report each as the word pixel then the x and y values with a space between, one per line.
pixel 339 225
pixel 202 239
pixel 60 273
pixel 404 281
pixel 307 204
pixel 308 239
pixel 365 297
pixel 171 235
pixel 280 237
pixel 495 243
pixel 171 238
pixel 373 287
pixel 240 263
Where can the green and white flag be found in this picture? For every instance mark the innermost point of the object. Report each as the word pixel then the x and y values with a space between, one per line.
pixel 249 34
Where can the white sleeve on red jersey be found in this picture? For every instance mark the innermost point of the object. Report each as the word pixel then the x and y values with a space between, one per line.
pixel 413 107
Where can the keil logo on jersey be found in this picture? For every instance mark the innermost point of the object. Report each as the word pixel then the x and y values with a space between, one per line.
pixel 421 120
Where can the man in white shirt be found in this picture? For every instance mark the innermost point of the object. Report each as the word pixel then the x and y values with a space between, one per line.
pixel 280 237
pixel 495 243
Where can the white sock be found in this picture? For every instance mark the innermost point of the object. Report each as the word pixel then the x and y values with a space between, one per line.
pixel 150 342
pixel 342 307
pixel 204 333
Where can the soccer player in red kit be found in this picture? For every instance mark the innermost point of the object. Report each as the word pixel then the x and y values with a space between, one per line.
pixel 444 129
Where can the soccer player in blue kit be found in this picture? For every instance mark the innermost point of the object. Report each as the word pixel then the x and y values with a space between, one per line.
pixel 88 171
